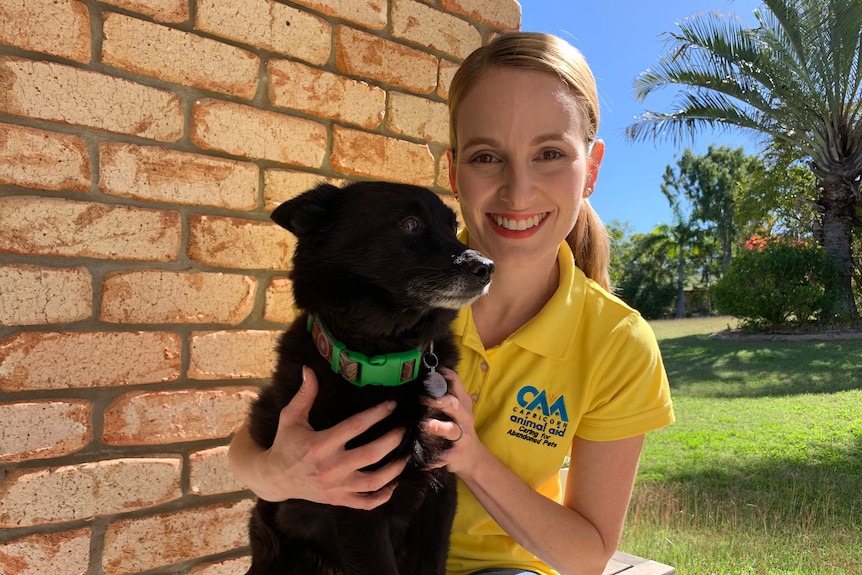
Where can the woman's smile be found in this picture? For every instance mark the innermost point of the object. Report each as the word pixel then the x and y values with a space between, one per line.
pixel 517 226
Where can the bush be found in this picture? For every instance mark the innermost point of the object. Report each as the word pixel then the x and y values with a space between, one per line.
pixel 651 295
pixel 775 284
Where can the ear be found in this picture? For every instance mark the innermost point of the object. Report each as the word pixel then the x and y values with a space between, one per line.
pixel 450 155
pixel 597 152
pixel 309 212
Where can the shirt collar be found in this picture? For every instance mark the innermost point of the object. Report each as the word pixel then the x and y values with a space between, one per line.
pixel 549 333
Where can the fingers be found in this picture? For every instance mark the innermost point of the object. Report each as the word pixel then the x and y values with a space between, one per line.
pixel 370 500
pixel 368 489
pixel 456 388
pixel 299 407
pixel 307 464
pixel 359 423
pixel 451 430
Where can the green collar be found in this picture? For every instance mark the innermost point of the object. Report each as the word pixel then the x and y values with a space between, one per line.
pixel 389 370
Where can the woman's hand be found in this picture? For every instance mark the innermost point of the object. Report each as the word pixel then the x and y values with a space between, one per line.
pixel 314 465
pixel 458 405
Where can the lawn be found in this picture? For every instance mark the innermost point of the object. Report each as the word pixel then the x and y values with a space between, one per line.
pixel 762 472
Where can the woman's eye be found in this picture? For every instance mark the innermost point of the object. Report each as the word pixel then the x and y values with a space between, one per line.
pixel 483 159
pixel 410 224
pixel 551 154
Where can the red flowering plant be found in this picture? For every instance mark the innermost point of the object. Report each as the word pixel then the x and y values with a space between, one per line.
pixel 775 283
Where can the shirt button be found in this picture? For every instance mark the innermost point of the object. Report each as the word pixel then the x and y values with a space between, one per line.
pixel 483 366
pixel 474 397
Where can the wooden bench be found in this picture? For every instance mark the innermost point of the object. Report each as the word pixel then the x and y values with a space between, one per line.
pixel 624 563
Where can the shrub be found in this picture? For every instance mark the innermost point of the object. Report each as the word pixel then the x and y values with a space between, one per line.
pixel 774 284
pixel 650 294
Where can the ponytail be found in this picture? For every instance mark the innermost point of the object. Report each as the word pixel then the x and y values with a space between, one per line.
pixel 591 245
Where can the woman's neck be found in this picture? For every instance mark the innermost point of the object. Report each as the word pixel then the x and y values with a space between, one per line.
pixel 516 296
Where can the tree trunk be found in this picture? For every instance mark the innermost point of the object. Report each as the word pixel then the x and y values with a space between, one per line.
pixel 837 220
pixel 680 289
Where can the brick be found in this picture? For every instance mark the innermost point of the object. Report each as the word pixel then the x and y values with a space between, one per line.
pixel 33 497
pixel 444 80
pixel 36 361
pixel 157 296
pixel 159 417
pixel 501 14
pixel 232 354
pixel 151 49
pixel 58 227
pixel 239 243
pixel 417 117
pixel 156 174
pixel 269 25
pixel 173 11
pixel 282 185
pixel 431 28
pixel 34 295
pixel 366 55
pixel 210 472
pixel 135 545
pixel 227 567
pixel 41 429
pixel 369 13
pixel 40 159
pixel 252 133
pixel 379 157
pixel 56 27
pixel 49 91
pixel 62 553
pixel 279 306
pixel 321 93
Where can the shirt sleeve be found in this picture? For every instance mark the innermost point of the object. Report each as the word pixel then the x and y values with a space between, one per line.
pixel 630 393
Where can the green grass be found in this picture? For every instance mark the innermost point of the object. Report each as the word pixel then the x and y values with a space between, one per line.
pixel 762 472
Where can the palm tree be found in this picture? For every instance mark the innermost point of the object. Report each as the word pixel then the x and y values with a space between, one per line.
pixel 680 243
pixel 795 79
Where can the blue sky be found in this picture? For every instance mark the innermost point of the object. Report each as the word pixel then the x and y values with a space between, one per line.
pixel 620 39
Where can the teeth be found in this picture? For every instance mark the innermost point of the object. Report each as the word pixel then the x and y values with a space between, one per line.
pixel 518 225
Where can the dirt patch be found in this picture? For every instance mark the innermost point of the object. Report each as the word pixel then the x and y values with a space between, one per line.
pixel 821 334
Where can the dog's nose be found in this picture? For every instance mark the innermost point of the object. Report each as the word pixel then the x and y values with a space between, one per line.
pixel 481 267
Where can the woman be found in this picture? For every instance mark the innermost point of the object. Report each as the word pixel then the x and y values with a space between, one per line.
pixel 553 365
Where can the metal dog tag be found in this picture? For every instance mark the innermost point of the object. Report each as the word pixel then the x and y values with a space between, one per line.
pixel 435 384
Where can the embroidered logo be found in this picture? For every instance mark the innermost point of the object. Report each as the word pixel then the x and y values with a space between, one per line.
pixel 538 418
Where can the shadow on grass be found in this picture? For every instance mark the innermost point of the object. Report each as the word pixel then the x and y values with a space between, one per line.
pixel 778 510
pixel 700 366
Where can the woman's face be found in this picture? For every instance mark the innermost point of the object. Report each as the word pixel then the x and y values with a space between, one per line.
pixel 522 166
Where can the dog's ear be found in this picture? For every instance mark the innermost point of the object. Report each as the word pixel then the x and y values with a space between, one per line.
pixel 309 212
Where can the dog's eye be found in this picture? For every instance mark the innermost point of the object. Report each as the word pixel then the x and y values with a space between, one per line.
pixel 410 224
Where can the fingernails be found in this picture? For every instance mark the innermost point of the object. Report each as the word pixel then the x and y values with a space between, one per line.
pixel 304 373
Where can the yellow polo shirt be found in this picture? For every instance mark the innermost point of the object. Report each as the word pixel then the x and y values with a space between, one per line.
pixel 586 365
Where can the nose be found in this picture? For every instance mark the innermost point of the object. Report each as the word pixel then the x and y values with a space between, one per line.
pixel 516 189
pixel 481 267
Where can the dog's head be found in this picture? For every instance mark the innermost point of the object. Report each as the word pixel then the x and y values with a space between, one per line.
pixel 380 244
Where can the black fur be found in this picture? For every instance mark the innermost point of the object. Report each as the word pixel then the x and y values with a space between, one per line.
pixel 381 266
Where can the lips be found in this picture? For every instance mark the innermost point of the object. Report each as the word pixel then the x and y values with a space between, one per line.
pixel 518 224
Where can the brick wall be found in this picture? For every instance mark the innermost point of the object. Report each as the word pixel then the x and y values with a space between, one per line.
pixel 143 144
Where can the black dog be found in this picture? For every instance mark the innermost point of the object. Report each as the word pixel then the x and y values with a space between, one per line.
pixel 379 276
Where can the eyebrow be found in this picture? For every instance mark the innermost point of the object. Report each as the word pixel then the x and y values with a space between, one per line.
pixel 548 138
pixel 540 139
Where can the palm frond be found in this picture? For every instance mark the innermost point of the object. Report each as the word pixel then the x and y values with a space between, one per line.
pixel 796 78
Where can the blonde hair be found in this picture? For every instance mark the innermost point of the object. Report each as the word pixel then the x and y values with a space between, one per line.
pixel 544 52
